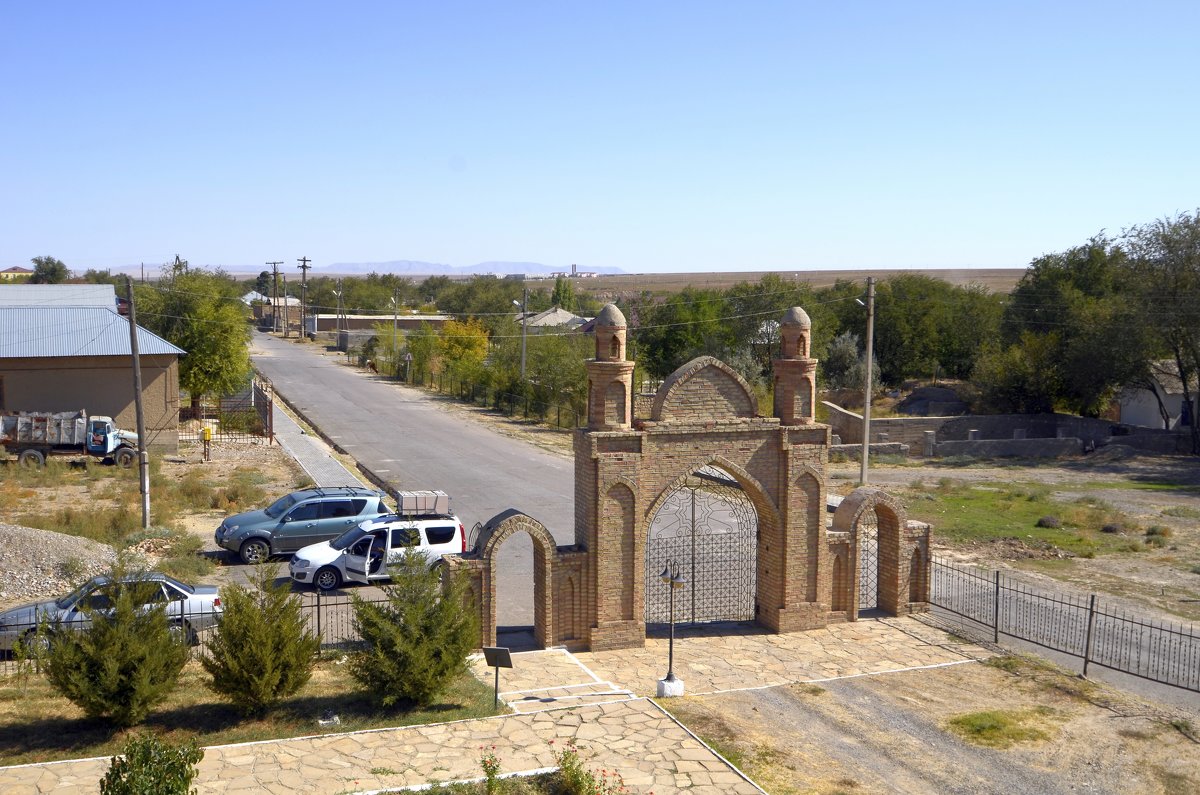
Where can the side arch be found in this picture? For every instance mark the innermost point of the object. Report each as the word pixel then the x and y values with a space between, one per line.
pixel 545 553
pixel 895 546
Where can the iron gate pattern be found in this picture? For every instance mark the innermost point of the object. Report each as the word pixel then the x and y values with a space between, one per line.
pixel 709 528
pixel 868 561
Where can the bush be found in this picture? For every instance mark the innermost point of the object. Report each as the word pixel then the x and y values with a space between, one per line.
pixel 150 766
pixel 125 662
pixel 1049 521
pixel 418 640
pixel 262 650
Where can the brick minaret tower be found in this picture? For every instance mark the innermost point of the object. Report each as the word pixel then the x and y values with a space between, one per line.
pixel 610 376
pixel 795 373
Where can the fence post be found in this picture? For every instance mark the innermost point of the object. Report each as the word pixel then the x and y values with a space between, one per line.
pixel 318 612
pixel 1087 641
pixel 996 611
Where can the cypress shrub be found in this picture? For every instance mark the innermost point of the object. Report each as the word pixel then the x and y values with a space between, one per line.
pixel 125 662
pixel 417 641
pixel 262 651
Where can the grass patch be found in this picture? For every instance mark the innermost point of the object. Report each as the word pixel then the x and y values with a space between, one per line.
pixel 38 725
pixel 995 728
pixel 971 513
pixel 1181 512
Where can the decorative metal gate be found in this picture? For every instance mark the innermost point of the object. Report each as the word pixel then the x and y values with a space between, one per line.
pixel 868 561
pixel 709 529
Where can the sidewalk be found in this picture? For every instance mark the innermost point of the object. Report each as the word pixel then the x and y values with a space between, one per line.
pixel 595 699
pixel 310 452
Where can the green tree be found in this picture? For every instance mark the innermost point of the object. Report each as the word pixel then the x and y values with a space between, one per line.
pixel 1094 339
pixel 126 661
pixel 417 641
pixel 564 294
pixel 462 346
pixel 201 312
pixel 1021 378
pixel 150 766
pixel 262 285
pixel 1164 267
pixel 48 270
pixel 422 344
pixel 262 651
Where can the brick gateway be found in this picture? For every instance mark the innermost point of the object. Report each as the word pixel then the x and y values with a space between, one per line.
pixel 704 420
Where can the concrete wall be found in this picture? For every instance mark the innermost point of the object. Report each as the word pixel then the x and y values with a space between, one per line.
pixel 98 385
pixel 891 430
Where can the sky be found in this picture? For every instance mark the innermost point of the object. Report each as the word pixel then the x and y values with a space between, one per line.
pixel 647 136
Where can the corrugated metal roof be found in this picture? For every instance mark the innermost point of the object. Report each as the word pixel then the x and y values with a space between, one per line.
pixel 103 295
pixel 72 331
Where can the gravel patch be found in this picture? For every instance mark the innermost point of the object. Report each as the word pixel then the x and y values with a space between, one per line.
pixel 38 564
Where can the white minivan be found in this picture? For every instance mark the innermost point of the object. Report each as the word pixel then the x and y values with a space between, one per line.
pixel 359 554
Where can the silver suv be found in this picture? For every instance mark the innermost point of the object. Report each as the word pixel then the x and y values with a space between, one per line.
pixel 297 520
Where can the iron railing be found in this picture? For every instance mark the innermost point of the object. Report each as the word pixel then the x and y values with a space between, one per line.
pixel 528 406
pixel 244 417
pixel 1085 627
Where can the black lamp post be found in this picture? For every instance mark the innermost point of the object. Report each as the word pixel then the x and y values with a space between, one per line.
pixel 674 580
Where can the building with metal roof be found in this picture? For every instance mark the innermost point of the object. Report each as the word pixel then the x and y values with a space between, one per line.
pixel 102 295
pixel 64 357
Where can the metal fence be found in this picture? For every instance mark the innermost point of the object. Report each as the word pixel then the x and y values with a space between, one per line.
pixel 1081 626
pixel 557 414
pixel 243 417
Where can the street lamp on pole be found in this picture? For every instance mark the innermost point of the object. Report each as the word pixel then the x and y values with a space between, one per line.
pixel 671 685
pixel 524 313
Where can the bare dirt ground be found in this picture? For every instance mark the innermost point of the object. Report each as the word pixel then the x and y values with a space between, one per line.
pixel 890 733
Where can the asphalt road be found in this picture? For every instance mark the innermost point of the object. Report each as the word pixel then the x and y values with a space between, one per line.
pixel 402 436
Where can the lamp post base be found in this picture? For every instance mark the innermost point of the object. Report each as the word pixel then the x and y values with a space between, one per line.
pixel 670 688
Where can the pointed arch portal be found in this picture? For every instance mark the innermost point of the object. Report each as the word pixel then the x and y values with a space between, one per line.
pixel 707 527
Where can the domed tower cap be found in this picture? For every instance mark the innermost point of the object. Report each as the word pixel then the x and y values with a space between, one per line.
pixel 796 317
pixel 610 316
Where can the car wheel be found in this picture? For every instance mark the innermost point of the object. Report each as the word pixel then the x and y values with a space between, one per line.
pixel 31 459
pixel 124 458
pixel 36 643
pixel 327 578
pixel 255 551
pixel 183 632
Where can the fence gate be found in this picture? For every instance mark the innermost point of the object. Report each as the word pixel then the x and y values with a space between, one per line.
pixel 709 529
pixel 868 562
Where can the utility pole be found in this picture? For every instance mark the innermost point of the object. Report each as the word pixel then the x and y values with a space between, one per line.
pixel 303 266
pixel 395 312
pixel 524 314
pixel 287 330
pixel 143 458
pixel 866 440
pixel 275 294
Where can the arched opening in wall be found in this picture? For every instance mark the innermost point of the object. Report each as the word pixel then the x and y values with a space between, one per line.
pixel 514 593
pixel 917 589
pixel 707 527
pixel 867 533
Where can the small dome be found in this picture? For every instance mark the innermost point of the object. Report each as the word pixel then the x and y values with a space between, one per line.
pixel 610 316
pixel 796 317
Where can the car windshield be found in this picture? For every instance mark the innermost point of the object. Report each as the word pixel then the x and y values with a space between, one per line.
pixel 73 596
pixel 348 538
pixel 280 505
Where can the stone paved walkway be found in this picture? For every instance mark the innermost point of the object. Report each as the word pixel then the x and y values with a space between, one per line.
pixel 310 452
pixel 594 699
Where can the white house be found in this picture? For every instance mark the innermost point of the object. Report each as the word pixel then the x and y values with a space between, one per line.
pixel 1144 404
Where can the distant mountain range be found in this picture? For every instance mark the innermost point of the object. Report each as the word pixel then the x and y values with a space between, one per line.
pixel 413 268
